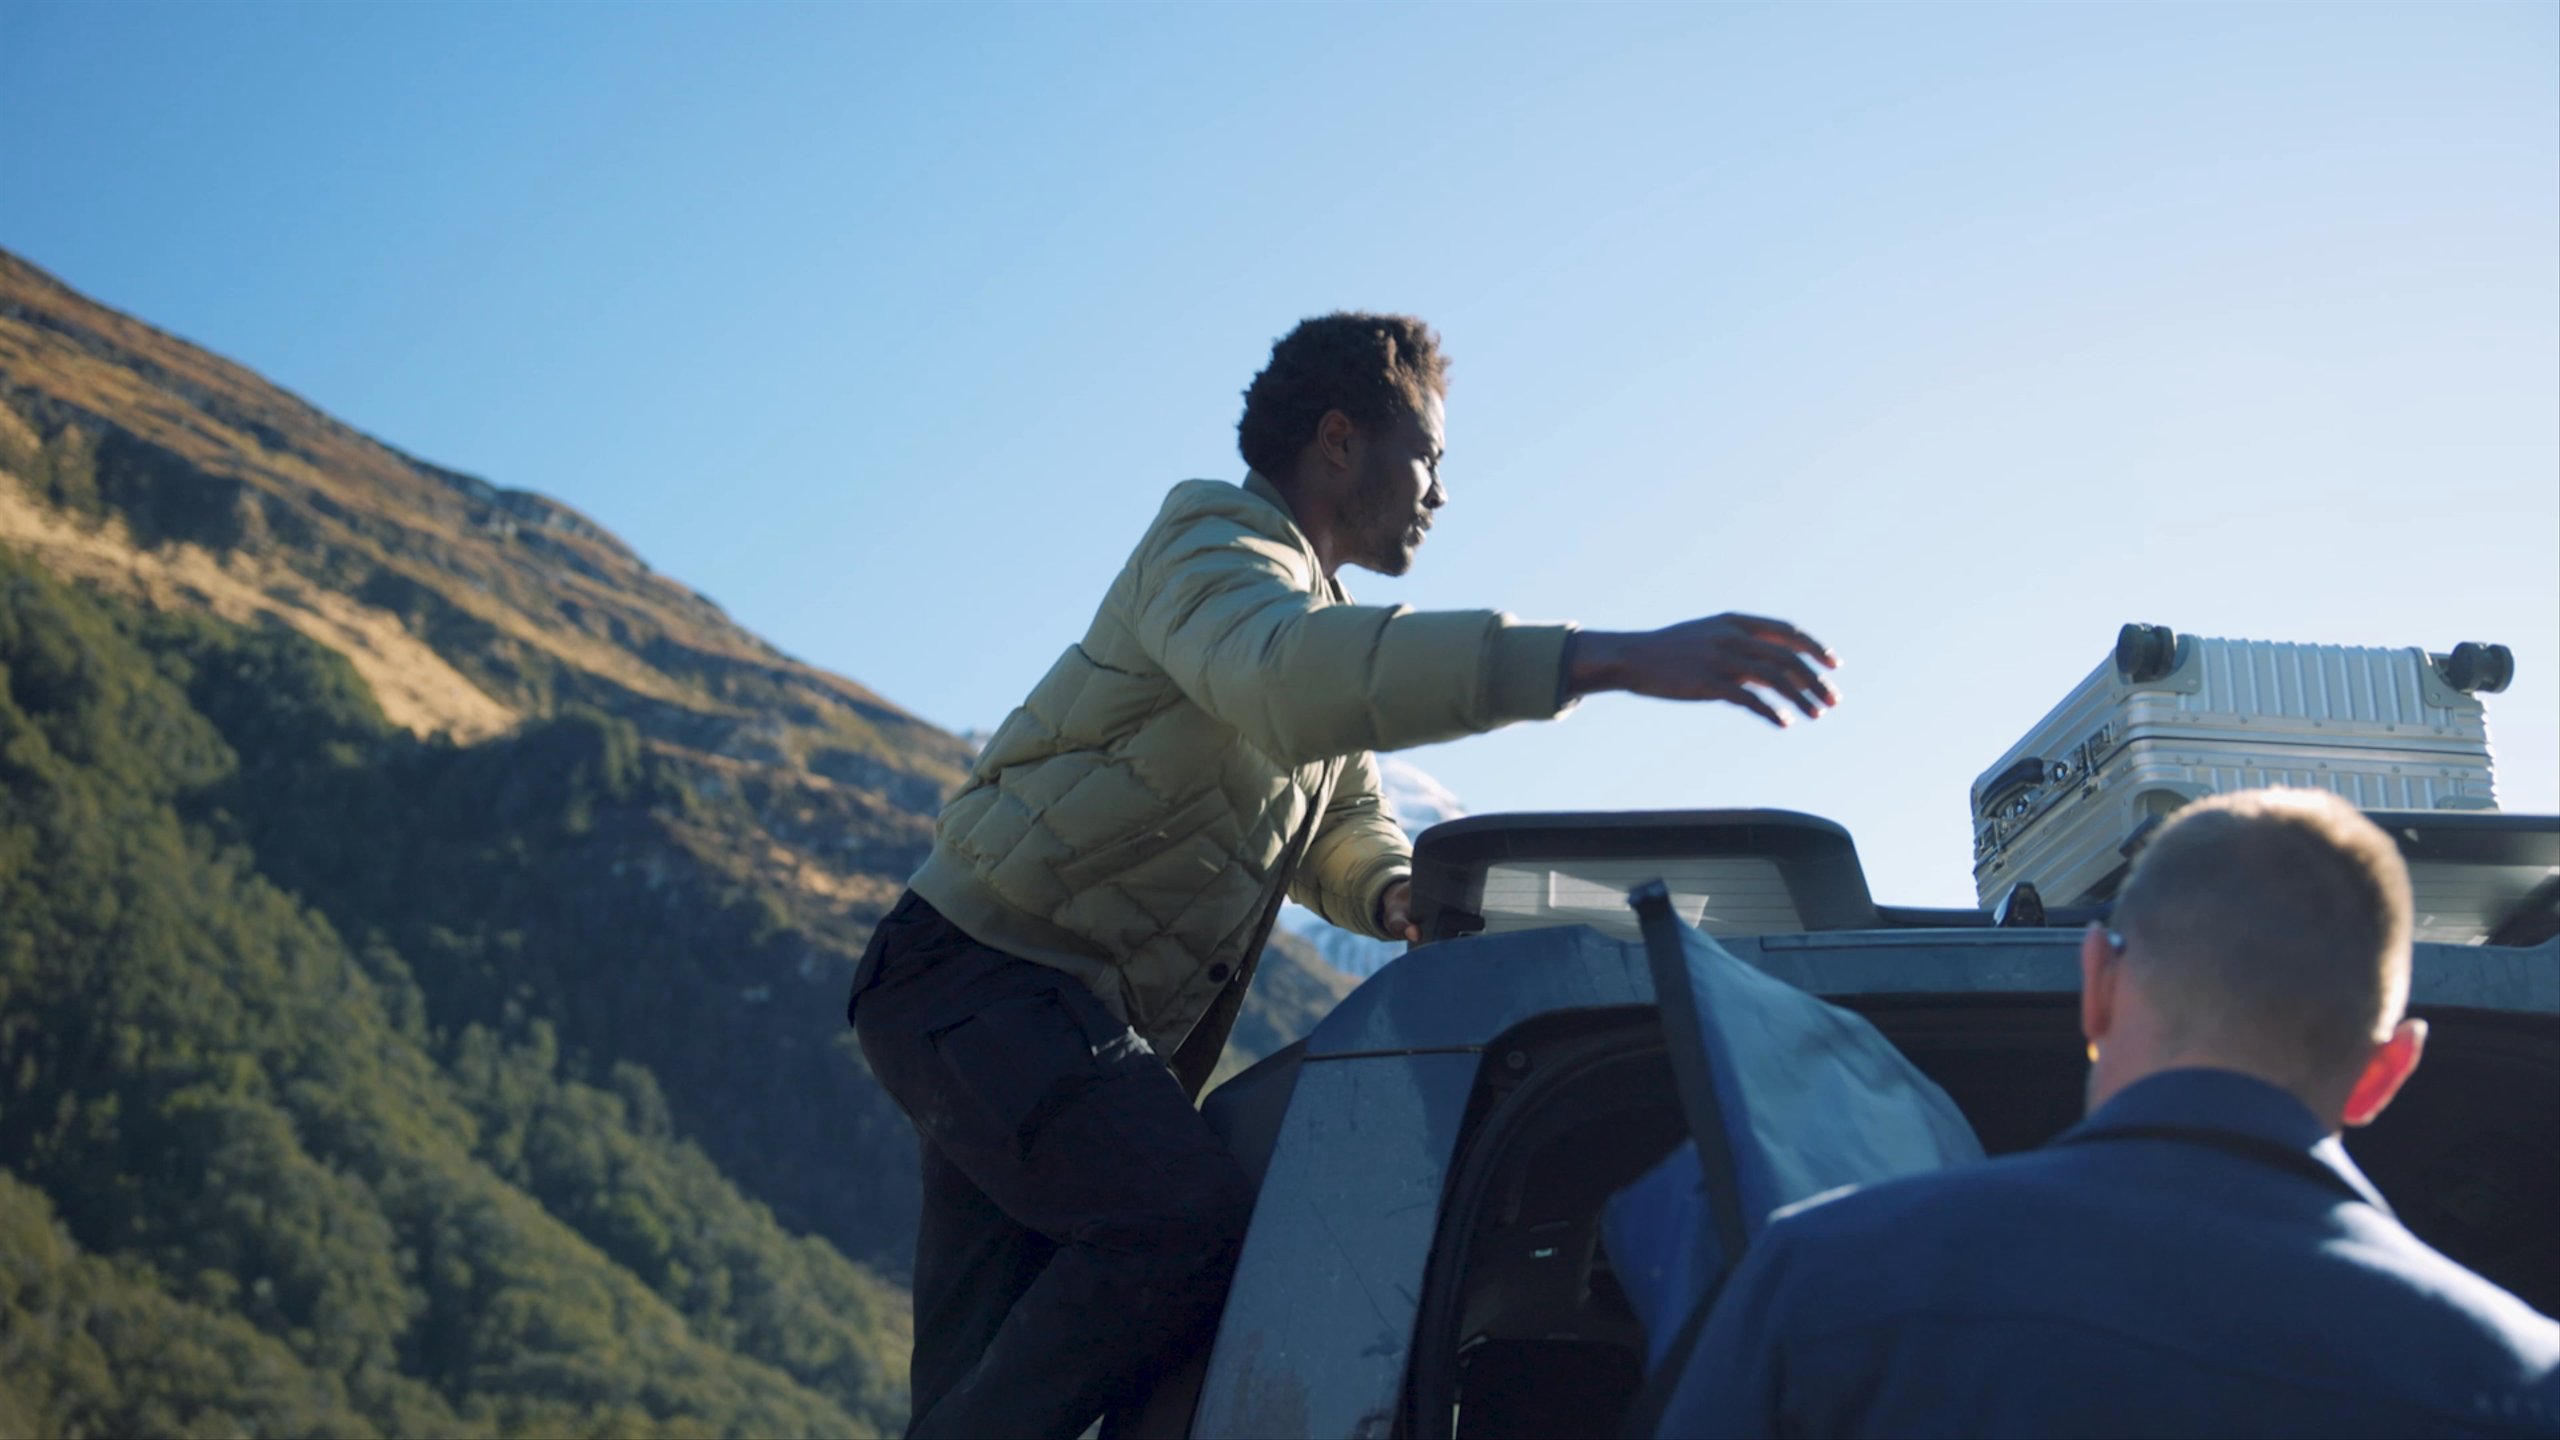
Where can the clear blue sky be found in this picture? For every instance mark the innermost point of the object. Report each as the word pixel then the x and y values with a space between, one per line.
pixel 1959 335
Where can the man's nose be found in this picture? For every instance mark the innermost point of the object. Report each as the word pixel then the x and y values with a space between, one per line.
pixel 1437 495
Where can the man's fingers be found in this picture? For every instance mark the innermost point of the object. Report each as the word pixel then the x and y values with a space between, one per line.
pixel 1783 668
pixel 1811 695
pixel 1750 700
pixel 1762 627
pixel 1799 696
pixel 1804 700
pixel 1782 672
pixel 1775 667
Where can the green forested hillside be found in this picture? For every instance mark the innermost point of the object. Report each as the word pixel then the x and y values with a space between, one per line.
pixel 424 932
pixel 304 1191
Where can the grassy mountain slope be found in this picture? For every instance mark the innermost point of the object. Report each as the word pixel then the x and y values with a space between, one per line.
pixel 423 939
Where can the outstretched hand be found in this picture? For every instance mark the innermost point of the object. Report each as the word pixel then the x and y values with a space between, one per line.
pixel 1723 657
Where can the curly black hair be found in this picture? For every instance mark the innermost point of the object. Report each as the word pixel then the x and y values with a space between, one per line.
pixel 1373 368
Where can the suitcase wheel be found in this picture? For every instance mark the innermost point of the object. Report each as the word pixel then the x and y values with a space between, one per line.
pixel 2474 667
pixel 2145 653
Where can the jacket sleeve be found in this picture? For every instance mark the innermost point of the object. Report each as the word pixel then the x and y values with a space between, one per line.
pixel 1358 851
pixel 1231 615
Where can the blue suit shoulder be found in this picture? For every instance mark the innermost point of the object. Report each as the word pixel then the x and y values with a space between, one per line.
pixel 2218 1232
pixel 1950 1233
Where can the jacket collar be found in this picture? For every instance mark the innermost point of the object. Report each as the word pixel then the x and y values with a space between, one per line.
pixel 2235 1104
pixel 1261 488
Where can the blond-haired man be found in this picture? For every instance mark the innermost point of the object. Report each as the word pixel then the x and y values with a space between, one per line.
pixel 2199 1256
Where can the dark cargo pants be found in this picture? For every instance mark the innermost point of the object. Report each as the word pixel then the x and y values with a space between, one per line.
pixel 1080 1222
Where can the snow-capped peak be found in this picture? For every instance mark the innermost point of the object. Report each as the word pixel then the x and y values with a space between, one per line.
pixel 1419 799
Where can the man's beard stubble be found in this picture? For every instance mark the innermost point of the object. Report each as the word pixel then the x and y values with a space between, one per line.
pixel 1383 528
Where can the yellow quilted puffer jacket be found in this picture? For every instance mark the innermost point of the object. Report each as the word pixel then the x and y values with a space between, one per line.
pixel 1127 822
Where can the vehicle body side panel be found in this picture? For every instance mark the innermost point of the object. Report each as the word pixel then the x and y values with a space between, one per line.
pixel 1321 1313
pixel 1461 993
pixel 1319 1325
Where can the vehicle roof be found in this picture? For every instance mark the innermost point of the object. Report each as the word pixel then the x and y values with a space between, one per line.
pixel 1736 874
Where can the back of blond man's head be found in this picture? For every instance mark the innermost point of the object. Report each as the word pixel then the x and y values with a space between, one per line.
pixel 2272 924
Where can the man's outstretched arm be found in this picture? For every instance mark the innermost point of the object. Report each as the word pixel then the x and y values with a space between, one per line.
pixel 1228 614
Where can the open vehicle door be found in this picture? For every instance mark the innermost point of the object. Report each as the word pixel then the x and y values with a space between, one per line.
pixel 1787 1098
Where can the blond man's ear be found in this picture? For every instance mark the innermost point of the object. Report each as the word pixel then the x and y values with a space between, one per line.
pixel 2390 1066
pixel 2098 972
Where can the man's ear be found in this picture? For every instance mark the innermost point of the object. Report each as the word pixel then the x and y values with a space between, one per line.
pixel 2392 1063
pixel 1337 440
pixel 2097 984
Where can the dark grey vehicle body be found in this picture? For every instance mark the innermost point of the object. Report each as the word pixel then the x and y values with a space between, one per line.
pixel 1424 1256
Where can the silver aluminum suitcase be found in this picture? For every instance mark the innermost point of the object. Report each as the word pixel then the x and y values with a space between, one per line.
pixel 2170 718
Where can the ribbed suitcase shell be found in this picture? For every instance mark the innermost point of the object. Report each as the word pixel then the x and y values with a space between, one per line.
pixel 2378 726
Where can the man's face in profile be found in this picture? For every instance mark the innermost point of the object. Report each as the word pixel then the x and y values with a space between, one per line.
pixel 1395 490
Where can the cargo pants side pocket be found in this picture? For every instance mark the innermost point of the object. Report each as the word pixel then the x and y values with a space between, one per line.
pixel 1019 1061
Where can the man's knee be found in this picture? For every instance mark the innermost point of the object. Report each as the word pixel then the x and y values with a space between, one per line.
pixel 1215 1203
pixel 1225 1205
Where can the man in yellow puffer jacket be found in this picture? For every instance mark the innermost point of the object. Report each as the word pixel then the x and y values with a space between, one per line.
pixel 1054 989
